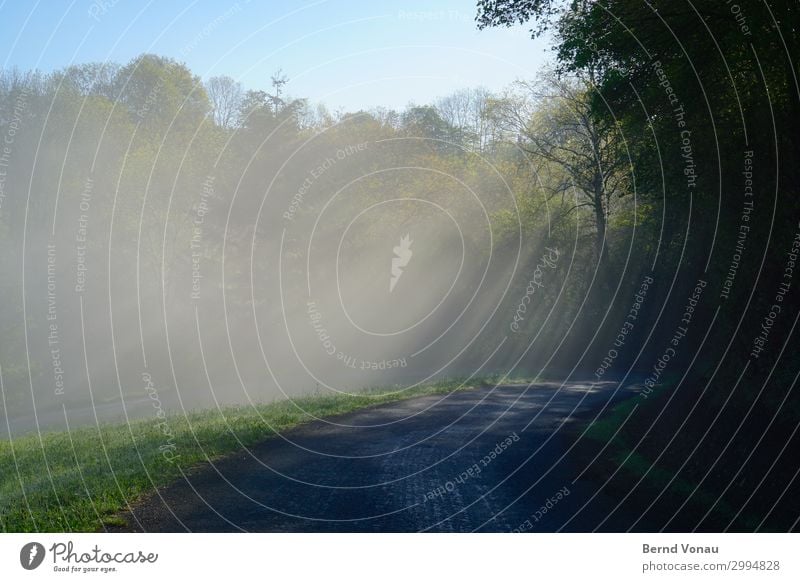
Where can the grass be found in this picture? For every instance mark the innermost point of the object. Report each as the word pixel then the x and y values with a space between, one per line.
pixel 604 428
pixel 638 466
pixel 81 480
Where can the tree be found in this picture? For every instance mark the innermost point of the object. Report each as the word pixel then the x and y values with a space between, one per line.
pixel 162 93
pixel 89 79
pixel 262 111
pixel 425 121
pixel 555 120
pixel 226 99
pixel 511 12
pixel 467 110
pixel 278 81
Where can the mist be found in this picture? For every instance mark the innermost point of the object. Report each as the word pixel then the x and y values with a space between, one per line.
pixel 169 255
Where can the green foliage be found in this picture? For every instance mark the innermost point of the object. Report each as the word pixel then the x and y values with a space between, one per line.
pixel 696 89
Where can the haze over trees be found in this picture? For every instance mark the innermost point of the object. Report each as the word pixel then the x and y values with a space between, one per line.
pixel 153 204
pixel 236 244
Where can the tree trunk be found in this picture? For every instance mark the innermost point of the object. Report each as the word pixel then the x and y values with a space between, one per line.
pixel 600 243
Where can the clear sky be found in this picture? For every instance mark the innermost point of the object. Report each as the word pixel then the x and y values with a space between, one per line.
pixel 347 54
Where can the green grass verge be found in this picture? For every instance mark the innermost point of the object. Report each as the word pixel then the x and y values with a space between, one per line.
pixel 638 466
pixel 82 479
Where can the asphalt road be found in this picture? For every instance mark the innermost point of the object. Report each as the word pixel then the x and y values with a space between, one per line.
pixel 497 459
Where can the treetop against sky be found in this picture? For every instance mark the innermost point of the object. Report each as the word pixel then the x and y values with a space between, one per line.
pixel 349 55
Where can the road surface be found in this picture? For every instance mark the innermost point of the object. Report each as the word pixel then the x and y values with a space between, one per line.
pixel 493 459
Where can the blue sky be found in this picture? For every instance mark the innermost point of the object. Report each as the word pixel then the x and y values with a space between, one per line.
pixel 347 54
